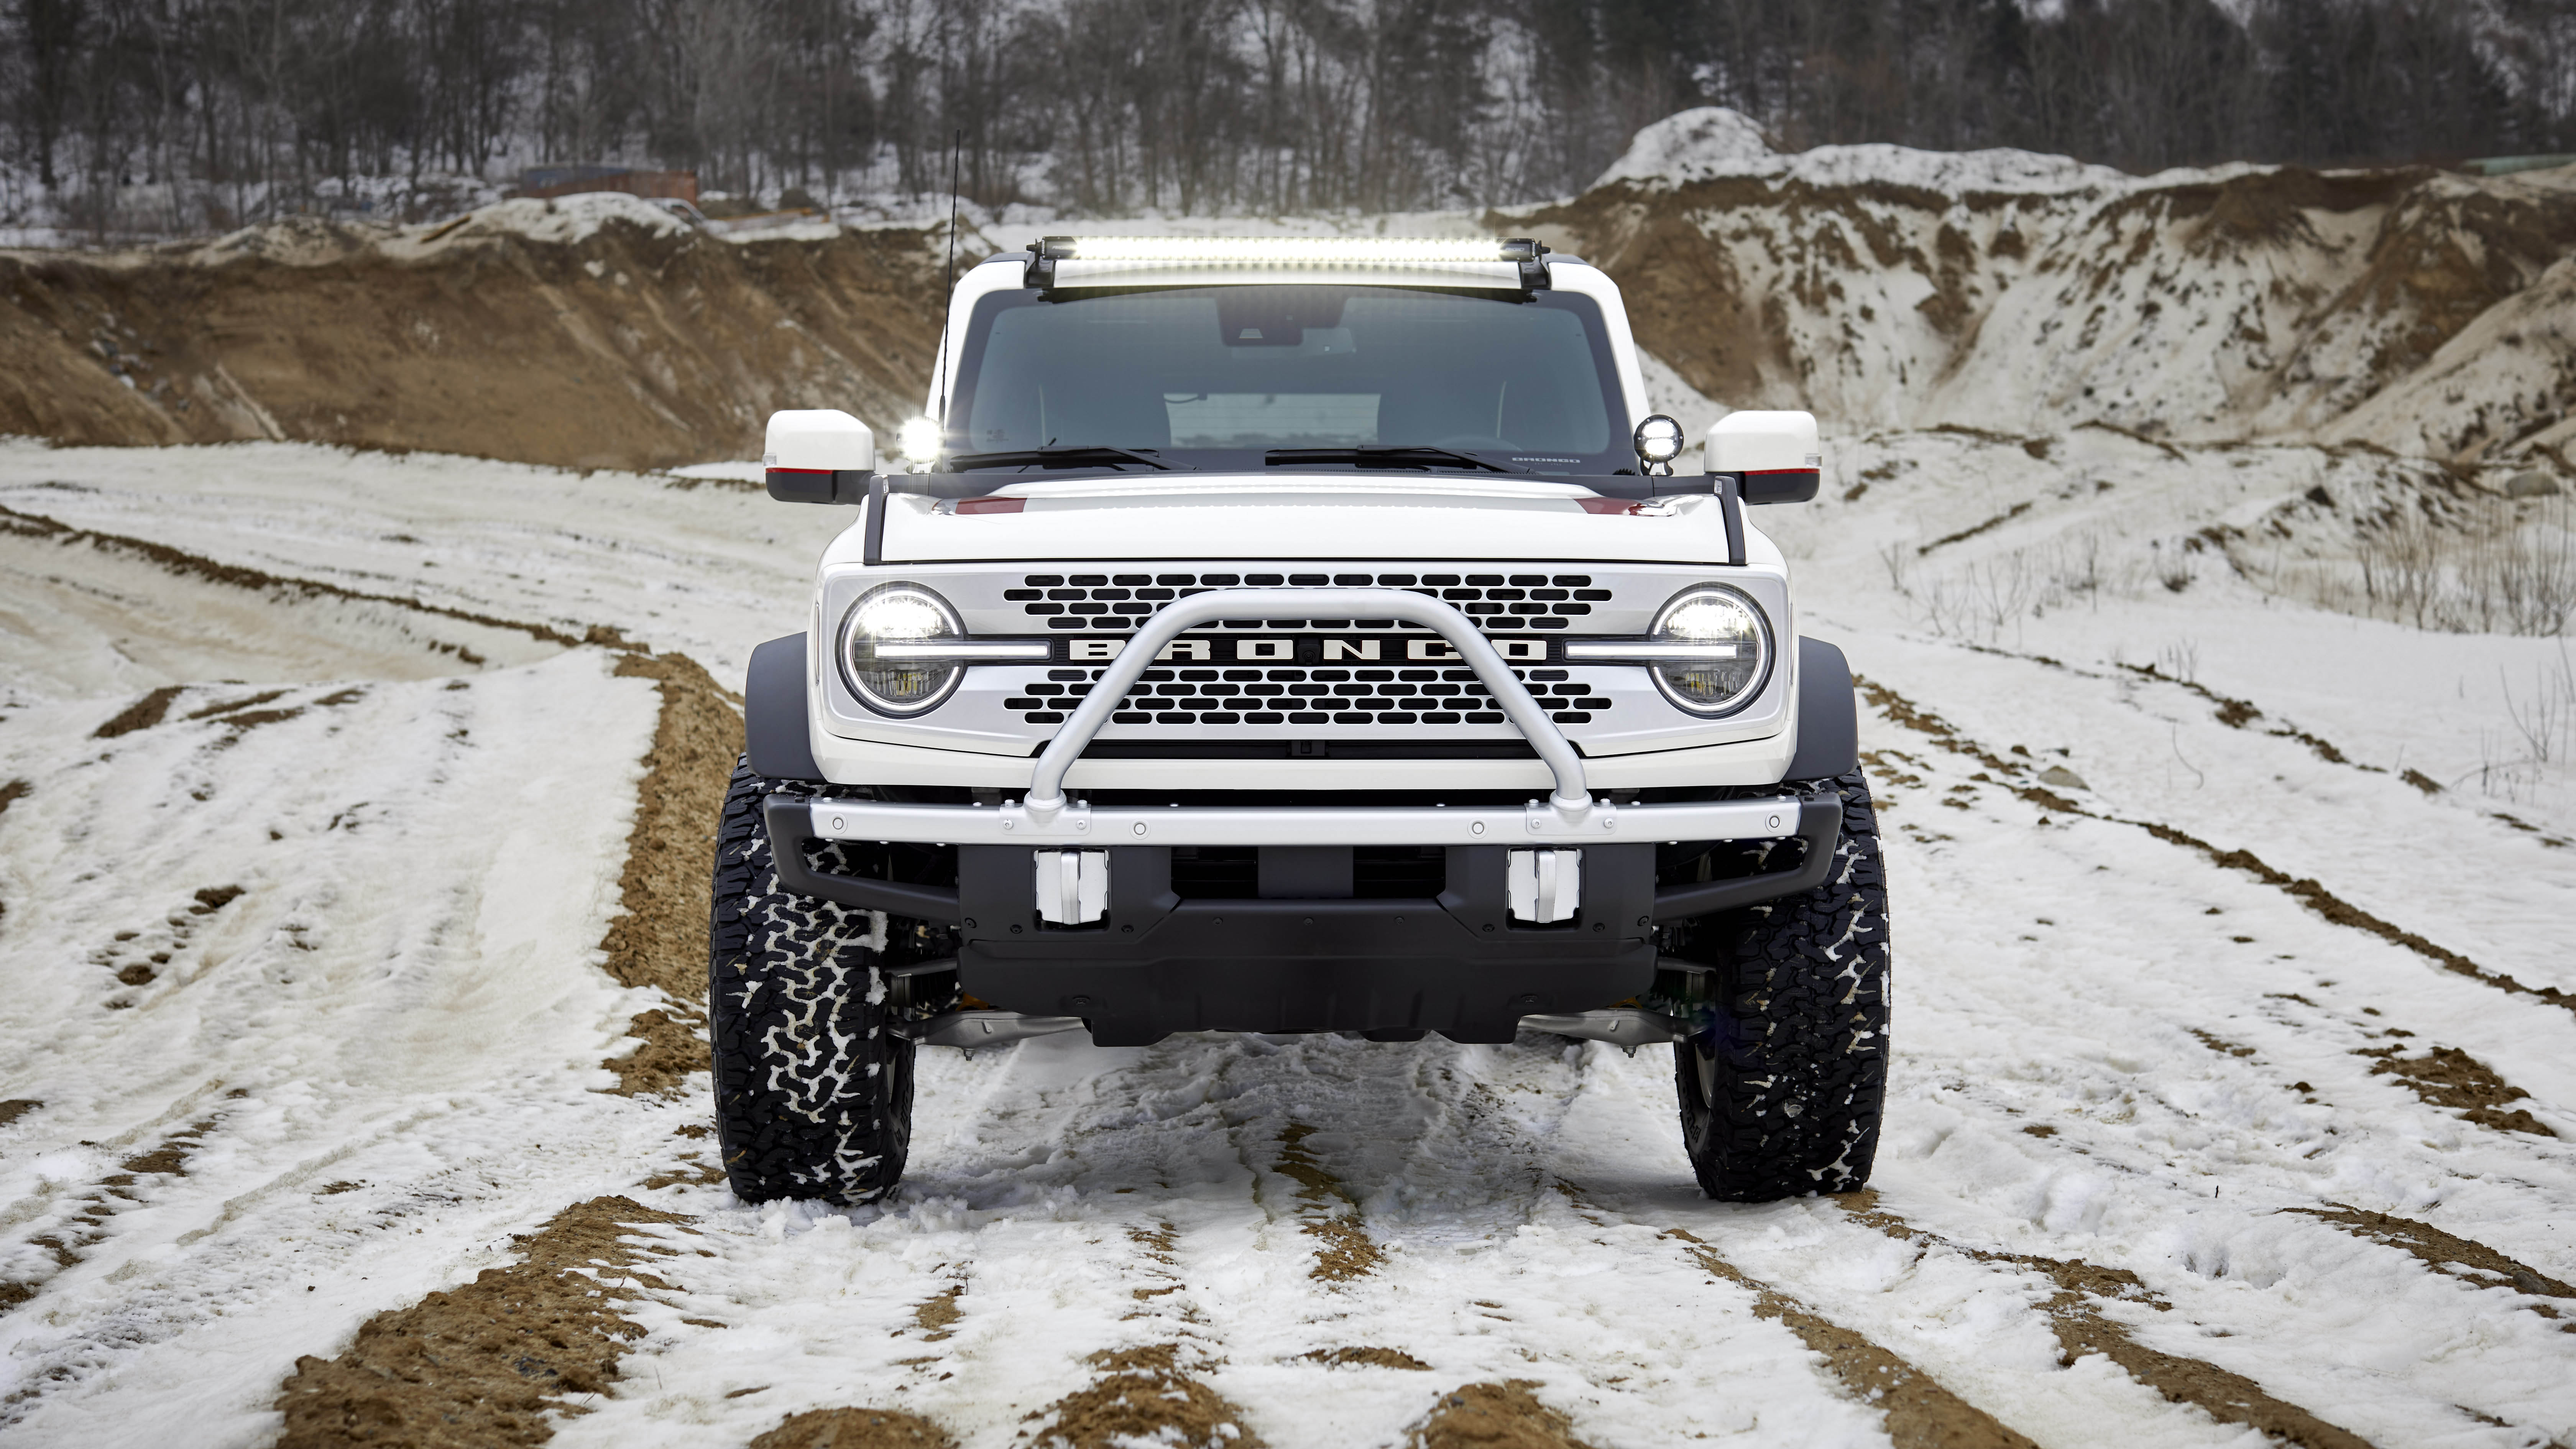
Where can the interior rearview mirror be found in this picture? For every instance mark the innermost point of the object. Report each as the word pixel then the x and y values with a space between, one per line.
pixel 818 455
pixel 1775 454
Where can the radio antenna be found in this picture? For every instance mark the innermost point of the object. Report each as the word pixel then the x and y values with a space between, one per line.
pixel 956 147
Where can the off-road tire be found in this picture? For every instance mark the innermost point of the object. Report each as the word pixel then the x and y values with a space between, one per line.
pixel 1784 1075
pixel 813 1093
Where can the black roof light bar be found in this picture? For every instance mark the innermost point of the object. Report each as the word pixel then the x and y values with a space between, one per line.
pixel 1527 254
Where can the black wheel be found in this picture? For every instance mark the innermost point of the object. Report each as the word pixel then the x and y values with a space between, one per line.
pixel 813 1092
pixel 1782 1082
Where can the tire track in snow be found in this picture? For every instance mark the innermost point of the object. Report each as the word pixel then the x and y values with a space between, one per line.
pixel 663 886
pixel 2447 1253
pixel 197 566
pixel 656 942
pixel 1463 1104
pixel 2444 1077
pixel 2222 1140
pixel 1922 1411
pixel 1902 711
pixel 72 1237
pixel 2075 1316
pixel 1917 1411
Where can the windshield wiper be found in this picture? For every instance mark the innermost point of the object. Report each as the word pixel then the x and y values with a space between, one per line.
pixel 1072 455
pixel 1381 456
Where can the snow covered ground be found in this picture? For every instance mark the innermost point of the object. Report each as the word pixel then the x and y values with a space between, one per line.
pixel 302 965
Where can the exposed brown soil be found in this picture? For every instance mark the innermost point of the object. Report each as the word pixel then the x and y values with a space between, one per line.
pixel 2220 1045
pixel 169 1157
pixel 483 1364
pixel 1920 1413
pixel 625 350
pixel 143 714
pixel 2075 1315
pixel 1143 1396
pixel 17 1107
pixel 1331 1217
pixel 1367 1357
pixel 856 1429
pixel 661 938
pixel 1974 529
pixel 228 706
pixel 183 924
pixel 2443 1252
pixel 2450 1077
pixel 935 1315
pixel 1494 1416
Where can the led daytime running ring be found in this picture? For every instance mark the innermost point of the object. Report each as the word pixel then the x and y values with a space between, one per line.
pixel 919 685
pixel 1760 641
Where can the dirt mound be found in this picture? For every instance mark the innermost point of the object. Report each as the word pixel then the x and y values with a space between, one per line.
pixel 485 1363
pixel 2255 302
pixel 2413 310
pixel 620 343
pixel 660 938
pixel 1503 1416
pixel 855 1429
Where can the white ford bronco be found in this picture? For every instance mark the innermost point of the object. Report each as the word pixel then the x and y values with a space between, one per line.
pixel 1297 637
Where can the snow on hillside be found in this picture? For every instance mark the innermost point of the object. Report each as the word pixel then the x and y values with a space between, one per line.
pixel 1888 288
pixel 1712 141
pixel 303 981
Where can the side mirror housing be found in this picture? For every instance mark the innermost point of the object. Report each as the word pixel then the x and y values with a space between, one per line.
pixel 1776 455
pixel 819 455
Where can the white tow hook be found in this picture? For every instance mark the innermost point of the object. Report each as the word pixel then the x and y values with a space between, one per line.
pixel 1072 886
pixel 1543 885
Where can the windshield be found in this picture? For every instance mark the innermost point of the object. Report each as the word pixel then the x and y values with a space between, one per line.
pixel 1233 377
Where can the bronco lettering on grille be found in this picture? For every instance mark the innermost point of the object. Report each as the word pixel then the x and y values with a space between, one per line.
pixel 1308 649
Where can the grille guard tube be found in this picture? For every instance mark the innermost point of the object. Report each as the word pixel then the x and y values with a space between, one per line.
pixel 1047 819
pixel 1573 797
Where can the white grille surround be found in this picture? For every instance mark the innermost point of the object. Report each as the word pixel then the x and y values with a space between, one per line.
pixel 1603 708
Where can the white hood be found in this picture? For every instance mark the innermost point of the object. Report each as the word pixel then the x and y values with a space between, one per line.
pixel 1303 516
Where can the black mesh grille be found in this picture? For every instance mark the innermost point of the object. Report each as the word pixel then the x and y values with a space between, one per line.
pixel 1112 602
pixel 1305 696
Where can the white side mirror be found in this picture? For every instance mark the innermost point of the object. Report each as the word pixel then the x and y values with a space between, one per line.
pixel 1776 454
pixel 818 455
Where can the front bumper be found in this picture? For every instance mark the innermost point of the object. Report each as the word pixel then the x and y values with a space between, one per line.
pixel 1138 960
pixel 1140 836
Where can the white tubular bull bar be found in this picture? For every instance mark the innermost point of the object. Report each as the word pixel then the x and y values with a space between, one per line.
pixel 1569 817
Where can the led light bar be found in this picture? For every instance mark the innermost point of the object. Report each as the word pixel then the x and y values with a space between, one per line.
pixel 1656 652
pixel 958 651
pixel 1293 250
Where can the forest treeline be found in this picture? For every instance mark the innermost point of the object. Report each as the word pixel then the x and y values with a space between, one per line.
pixel 179 115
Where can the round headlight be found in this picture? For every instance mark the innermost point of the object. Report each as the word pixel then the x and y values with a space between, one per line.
pixel 1724 627
pixel 898 614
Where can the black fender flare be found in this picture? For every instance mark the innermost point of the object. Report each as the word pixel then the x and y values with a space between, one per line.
pixel 1828 714
pixel 774 727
